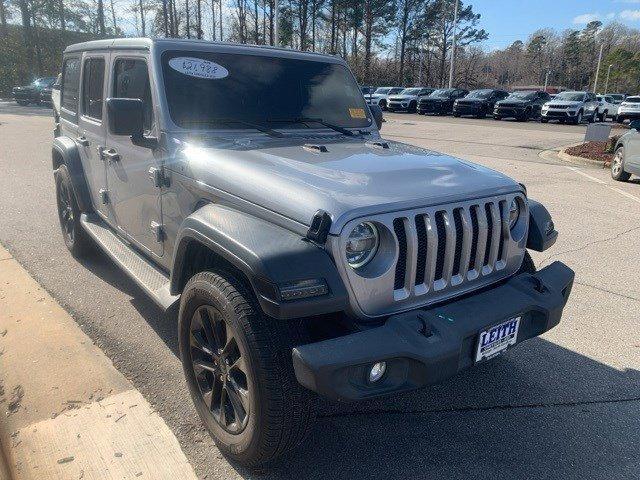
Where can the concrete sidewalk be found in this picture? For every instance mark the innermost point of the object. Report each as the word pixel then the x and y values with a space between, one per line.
pixel 68 413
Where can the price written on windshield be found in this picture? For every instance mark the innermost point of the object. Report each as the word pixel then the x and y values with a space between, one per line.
pixel 198 68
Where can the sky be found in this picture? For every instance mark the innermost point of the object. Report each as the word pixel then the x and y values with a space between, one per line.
pixel 510 20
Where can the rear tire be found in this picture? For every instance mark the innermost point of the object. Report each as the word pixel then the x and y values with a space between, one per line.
pixel 266 411
pixel 413 106
pixel 497 117
pixel 75 238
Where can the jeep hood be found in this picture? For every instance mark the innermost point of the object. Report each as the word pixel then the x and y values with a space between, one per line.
pixel 353 178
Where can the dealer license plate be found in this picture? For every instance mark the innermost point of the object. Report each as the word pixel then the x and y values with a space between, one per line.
pixel 496 339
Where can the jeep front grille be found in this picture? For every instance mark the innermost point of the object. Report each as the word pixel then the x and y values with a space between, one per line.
pixel 440 252
pixel 450 246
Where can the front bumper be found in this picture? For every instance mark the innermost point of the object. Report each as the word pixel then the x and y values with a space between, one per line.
pixel 431 107
pixel 506 112
pixel 426 346
pixel 394 105
pixel 558 114
pixel 469 109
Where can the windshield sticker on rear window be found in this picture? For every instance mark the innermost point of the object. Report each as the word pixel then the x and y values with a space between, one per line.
pixel 357 113
pixel 198 68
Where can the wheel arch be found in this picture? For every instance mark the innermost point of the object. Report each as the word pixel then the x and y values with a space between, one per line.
pixel 64 151
pixel 262 254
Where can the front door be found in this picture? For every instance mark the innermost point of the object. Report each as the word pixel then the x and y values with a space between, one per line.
pixel 91 134
pixel 133 196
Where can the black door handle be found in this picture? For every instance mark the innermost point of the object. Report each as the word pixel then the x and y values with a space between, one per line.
pixel 82 140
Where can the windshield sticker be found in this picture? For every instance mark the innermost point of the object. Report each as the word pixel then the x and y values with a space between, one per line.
pixel 357 113
pixel 198 68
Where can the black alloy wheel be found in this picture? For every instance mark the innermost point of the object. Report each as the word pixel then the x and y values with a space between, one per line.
pixel 65 213
pixel 220 370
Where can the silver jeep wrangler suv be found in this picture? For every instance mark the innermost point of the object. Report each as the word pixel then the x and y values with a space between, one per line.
pixel 250 188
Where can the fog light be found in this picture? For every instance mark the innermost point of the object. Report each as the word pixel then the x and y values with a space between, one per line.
pixel 377 371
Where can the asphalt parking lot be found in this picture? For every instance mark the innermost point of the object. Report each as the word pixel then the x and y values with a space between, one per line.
pixel 562 406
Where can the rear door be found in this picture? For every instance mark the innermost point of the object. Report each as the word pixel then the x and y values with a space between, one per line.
pixel 91 134
pixel 134 198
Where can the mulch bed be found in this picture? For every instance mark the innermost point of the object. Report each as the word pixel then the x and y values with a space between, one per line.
pixel 592 151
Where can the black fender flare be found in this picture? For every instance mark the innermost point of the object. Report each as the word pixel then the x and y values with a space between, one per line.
pixel 266 254
pixel 65 150
pixel 542 232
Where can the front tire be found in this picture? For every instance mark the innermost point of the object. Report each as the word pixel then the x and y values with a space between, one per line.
pixel 75 238
pixel 238 367
pixel 617 166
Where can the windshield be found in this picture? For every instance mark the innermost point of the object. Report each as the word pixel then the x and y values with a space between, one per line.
pixel 441 93
pixel 521 95
pixel 480 94
pixel 43 82
pixel 214 90
pixel 571 96
pixel 411 91
pixel 632 100
pixel 382 91
pixel 395 90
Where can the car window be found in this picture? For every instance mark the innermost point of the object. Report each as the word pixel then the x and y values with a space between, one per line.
pixel 131 80
pixel 70 84
pixel 92 87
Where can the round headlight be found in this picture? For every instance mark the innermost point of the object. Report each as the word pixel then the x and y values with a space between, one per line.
pixel 514 212
pixel 362 244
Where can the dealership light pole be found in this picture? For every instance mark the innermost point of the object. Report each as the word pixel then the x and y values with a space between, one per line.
pixel 595 84
pixel 453 42
pixel 546 80
pixel 606 84
pixel 275 23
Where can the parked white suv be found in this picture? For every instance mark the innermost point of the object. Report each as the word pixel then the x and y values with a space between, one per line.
pixel 381 96
pixel 407 99
pixel 629 109
pixel 572 107
pixel 607 107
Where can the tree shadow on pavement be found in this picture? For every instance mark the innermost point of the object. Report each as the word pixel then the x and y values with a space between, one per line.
pixel 540 411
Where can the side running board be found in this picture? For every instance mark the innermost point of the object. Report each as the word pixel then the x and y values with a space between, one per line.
pixel 153 281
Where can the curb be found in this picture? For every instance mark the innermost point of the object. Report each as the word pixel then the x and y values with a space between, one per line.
pixel 67 413
pixel 563 155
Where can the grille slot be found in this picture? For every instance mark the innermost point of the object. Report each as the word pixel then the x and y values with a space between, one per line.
pixel 401 266
pixel 441 233
pixel 487 251
pixel 474 235
pixel 421 232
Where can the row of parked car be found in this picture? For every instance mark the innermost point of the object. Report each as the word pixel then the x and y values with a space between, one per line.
pixel 571 107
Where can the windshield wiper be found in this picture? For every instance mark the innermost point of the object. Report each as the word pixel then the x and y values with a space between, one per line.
pixel 268 131
pixel 336 128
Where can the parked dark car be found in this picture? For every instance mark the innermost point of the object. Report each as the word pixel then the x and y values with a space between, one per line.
pixel 31 93
pixel 478 103
pixel 521 105
pixel 440 101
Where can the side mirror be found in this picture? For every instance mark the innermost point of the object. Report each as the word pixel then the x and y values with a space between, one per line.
pixel 126 117
pixel 635 125
pixel 376 111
